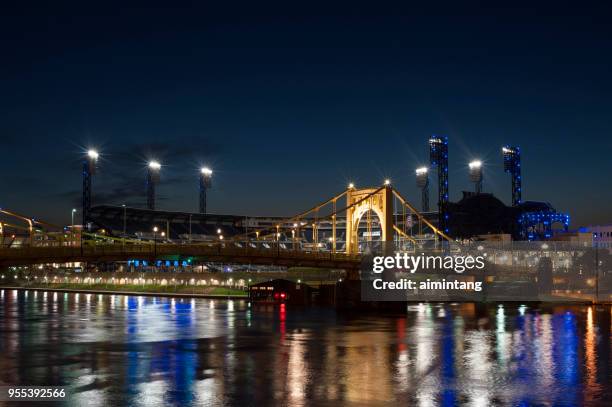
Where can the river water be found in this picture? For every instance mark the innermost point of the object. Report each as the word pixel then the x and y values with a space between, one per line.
pixel 112 350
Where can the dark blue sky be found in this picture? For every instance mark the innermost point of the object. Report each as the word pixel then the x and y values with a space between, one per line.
pixel 289 105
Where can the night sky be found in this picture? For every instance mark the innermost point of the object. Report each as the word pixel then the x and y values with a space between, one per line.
pixel 289 105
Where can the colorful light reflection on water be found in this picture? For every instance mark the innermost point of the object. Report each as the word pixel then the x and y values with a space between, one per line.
pixel 118 350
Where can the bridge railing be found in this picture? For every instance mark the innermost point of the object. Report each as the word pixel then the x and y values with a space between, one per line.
pixel 78 253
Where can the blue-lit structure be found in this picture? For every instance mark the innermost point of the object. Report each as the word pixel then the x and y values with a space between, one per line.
pixel 438 158
pixel 481 214
pixel 538 224
pixel 512 166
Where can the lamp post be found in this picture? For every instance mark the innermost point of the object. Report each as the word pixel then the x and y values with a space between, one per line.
pixel 124 221
pixel 72 224
pixel 155 229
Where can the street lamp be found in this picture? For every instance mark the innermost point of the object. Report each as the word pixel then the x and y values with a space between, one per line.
pixel 124 221
pixel 155 229
pixel 387 182
pixel 72 223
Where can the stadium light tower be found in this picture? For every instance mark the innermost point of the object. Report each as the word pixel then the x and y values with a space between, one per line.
pixel 422 181
pixel 89 169
pixel 512 165
pixel 476 175
pixel 152 180
pixel 438 158
pixel 205 183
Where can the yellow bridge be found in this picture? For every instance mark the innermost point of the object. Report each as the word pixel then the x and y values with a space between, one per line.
pixel 399 222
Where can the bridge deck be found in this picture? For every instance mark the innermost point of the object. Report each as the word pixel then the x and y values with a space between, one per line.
pixel 237 255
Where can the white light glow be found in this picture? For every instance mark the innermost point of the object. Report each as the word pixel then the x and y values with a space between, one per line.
pixel 154 165
pixel 206 171
pixel 475 164
pixel 421 170
pixel 93 154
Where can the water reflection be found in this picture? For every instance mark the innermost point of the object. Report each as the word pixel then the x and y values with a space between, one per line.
pixel 115 350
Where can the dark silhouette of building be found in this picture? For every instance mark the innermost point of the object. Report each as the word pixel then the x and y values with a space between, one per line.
pixel 481 214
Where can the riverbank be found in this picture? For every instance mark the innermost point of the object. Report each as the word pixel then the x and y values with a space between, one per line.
pixel 148 290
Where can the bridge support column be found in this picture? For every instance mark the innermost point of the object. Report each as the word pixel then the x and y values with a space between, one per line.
pixel 387 222
pixel 350 213
pixel 334 230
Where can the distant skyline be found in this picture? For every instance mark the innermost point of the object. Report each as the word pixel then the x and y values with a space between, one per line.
pixel 289 105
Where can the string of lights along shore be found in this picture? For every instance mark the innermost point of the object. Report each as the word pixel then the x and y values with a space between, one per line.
pixel 438 160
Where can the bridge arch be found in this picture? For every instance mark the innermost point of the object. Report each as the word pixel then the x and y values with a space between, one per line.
pixel 359 202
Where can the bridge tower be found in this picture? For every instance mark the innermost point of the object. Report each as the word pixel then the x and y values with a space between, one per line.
pixel 89 169
pixel 512 165
pixel 359 203
pixel 438 158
